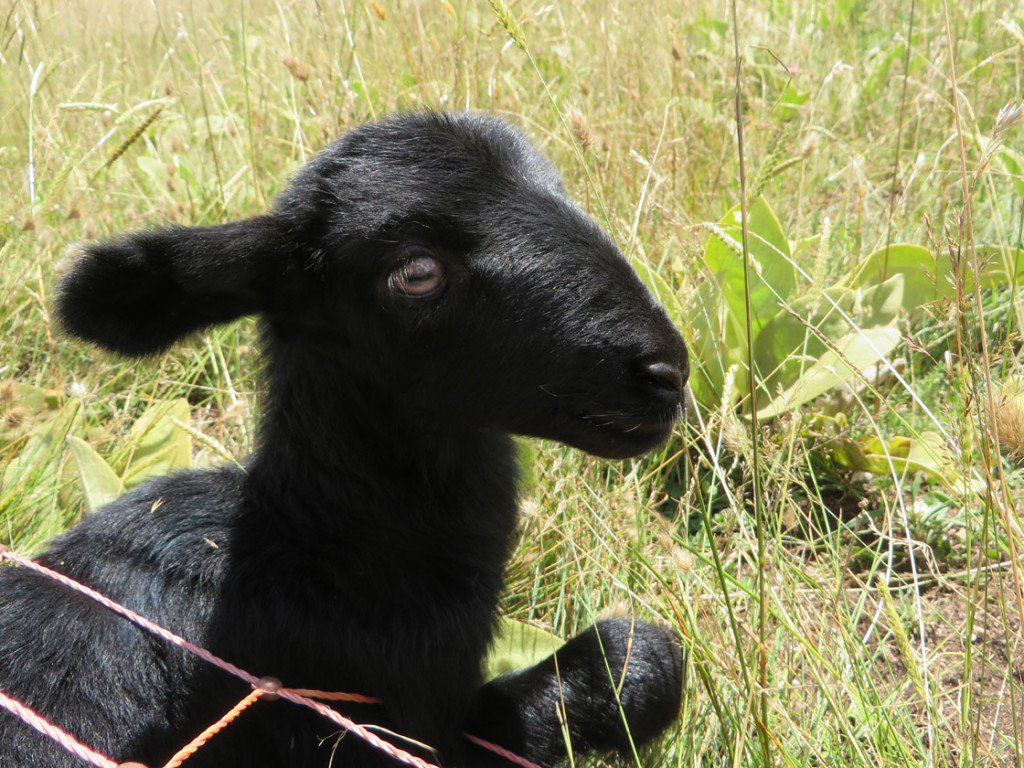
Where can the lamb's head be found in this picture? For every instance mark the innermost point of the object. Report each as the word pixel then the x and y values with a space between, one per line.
pixel 438 259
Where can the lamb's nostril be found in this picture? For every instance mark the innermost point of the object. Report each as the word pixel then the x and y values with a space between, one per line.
pixel 664 375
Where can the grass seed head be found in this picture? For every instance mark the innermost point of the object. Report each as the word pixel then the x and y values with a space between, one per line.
pixel 299 70
pixel 1008 118
pixel 15 417
pixel 1014 31
pixel 508 21
pixel 581 130
pixel 134 136
pixel 684 559
pixel 1007 420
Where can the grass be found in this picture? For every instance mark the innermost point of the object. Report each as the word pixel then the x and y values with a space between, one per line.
pixel 835 613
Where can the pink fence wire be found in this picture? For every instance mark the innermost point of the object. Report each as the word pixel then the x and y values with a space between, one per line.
pixel 297 696
pixel 66 740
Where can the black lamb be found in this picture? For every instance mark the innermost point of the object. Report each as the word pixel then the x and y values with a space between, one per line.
pixel 425 289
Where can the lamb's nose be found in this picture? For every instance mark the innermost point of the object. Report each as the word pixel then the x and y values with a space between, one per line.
pixel 664 375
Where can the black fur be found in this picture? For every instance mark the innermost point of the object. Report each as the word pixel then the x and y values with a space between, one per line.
pixel 362 548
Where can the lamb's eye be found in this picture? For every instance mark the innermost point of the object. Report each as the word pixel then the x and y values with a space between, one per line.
pixel 419 277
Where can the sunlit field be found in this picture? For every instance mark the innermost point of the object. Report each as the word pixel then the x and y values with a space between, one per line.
pixel 828 194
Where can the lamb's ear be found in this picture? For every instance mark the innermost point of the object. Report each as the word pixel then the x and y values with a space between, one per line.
pixel 141 292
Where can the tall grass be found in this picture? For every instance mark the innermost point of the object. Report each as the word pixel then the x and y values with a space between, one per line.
pixel 833 617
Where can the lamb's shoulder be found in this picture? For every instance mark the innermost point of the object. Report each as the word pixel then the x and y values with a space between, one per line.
pixel 177 528
pixel 80 665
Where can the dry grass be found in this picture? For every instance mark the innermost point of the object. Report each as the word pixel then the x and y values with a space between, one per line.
pixel 842 643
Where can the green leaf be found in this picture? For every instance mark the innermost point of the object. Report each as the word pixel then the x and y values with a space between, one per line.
pixel 157 445
pixel 153 167
pixel 929 278
pixel 998 267
pixel 772 272
pixel 518 646
pixel 805 248
pixel 802 333
pixel 907 454
pixel 100 484
pixel 34 399
pixel 712 356
pixel 717 312
pixel 791 100
pixel 30 468
pixel 925 453
pixel 38 406
pixel 878 68
pixel 156 172
pixel 924 279
pixel 36 455
pixel 856 351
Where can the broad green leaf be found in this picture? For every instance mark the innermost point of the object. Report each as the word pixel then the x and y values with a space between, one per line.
pixel 33 472
pixel 1011 160
pixel 706 29
pixel 917 265
pixel 526 452
pixel 924 453
pixel 929 278
pixel 35 399
pixel 518 646
pixel 158 446
pixel 156 172
pixel 804 249
pixel 213 125
pixel 878 68
pixel 717 309
pixel 858 350
pixel 772 274
pixel 154 168
pixel 999 267
pixel 34 456
pixel 848 454
pixel 791 101
pixel 708 320
pixel 38 406
pixel 794 340
pixel 100 484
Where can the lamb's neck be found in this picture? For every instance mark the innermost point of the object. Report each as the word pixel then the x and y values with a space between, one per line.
pixel 343 457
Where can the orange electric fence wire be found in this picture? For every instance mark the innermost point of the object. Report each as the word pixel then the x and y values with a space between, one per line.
pixel 189 749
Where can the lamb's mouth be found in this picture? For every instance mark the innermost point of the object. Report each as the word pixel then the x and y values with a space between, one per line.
pixel 623 435
pixel 647 425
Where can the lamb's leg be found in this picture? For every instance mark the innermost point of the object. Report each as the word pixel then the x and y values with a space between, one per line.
pixel 616 685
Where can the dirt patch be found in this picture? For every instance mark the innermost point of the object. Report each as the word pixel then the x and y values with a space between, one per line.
pixel 973 675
